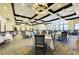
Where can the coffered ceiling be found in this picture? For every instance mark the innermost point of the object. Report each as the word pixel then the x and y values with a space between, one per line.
pixel 24 13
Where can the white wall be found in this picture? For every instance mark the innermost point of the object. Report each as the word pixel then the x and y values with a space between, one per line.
pixel 6 12
pixel 2 22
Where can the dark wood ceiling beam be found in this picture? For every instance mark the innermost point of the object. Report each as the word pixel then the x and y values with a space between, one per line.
pixel 72 18
pixel 21 16
pixel 43 17
pixel 38 22
pixel 34 16
pixel 69 5
pixel 18 20
pixel 67 15
pixel 25 16
pixel 52 20
pixel 13 8
pixel 12 5
pixel 48 21
pixel 50 4
pixel 33 22
pixel 64 7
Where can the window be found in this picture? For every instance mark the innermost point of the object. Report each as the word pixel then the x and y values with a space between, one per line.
pixel 55 25
pixel 57 28
pixel 63 25
pixel 77 26
pixel 60 25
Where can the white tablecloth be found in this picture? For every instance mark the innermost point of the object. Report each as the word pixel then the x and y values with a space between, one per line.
pixel 2 38
pixel 49 42
pixel 8 36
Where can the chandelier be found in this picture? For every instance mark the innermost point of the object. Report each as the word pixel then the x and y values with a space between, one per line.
pixel 40 8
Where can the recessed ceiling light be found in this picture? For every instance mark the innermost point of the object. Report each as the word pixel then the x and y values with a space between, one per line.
pixel 58 5
pixel 22 4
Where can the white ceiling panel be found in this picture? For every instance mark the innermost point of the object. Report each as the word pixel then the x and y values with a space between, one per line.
pixel 25 9
pixel 24 19
pixel 41 15
pixel 53 16
pixel 72 17
pixel 67 11
pixel 56 6
pixel 19 18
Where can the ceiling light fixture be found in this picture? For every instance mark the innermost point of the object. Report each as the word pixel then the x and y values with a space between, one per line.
pixel 58 6
pixel 22 4
pixel 40 8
